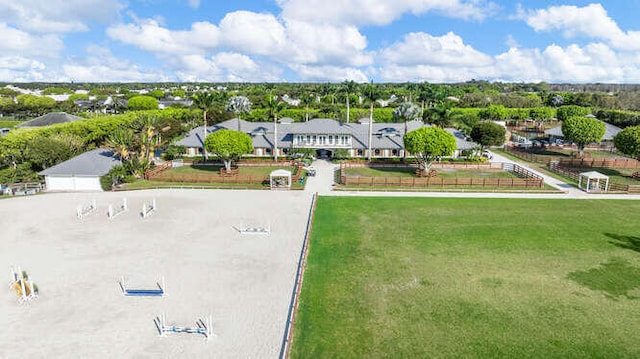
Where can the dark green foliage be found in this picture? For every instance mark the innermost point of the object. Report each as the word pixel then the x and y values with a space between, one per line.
pixel 565 112
pixel 583 130
pixel 616 277
pixel 173 151
pixel 627 141
pixel 341 154
pixel 228 145
pixel 495 113
pixel 619 118
pixel 142 103
pixel 428 144
pixel 488 133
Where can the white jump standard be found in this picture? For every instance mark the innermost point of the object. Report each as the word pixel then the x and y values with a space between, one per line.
pixel 82 212
pixel 115 212
pixel 22 286
pixel 203 327
pixel 137 292
pixel 148 209
pixel 250 229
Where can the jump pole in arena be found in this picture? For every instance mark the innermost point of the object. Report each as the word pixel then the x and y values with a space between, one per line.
pixel 148 209
pixel 115 212
pixel 250 229
pixel 203 327
pixel 161 291
pixel 82 211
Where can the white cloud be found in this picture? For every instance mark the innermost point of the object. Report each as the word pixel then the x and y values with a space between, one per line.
pixel 329 73
pixel 48 16
pixel 380 12
pixel 591 21
pixel 194 3
pixel 102 66
pixel 419 48
pixel 149 35
pixel 326 44
pixel 26 44
pixel 253 33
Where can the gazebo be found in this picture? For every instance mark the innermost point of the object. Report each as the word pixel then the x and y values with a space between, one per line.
pixel 593 181
pixel 280 179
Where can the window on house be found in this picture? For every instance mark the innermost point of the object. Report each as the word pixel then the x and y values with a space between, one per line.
pixel 394 152
pixel 376 152
pixel 360 152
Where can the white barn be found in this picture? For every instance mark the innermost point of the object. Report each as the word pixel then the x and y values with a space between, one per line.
pixel 81 173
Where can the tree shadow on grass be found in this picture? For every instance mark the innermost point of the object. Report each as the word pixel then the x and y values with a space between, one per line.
pixel 616 278
pixel 626 242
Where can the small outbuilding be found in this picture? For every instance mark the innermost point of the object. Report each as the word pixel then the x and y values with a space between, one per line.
pixel 593 181
pixel 280 179
pixel 81 173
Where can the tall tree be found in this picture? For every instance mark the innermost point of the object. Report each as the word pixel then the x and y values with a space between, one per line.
pixel 239 105
pixel 229 145
pixel 121 141
pixel 274 105
pixel 429 144
pixel 371 95
pixel 406 112
pixel 307 99
pixel 204 101
pixel 582 131
pixel 349 87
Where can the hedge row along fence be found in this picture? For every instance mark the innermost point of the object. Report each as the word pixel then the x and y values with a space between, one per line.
pixel 526 179
pixel 575 162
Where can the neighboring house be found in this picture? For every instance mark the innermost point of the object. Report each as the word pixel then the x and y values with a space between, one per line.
pixel 168 102
pixel 81 173
pixel 325 136
pixel 49 119
pixel 610 132
pixel 108 105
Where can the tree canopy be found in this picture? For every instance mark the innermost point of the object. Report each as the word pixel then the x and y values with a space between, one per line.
pixel 488 133
pixel 428 144
pixel 229 145
pixel 142 103
pixel 564 112
pixel 627 141
pixel 583 130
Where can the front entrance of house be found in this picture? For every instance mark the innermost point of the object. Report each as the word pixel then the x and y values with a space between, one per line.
pixel 324 153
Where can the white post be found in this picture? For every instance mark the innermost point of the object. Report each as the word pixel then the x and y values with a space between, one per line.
pixel 153 204
pixel 110 212
pixel 79 211
pixel 124 203
pixel 93 205
pixel 24 291
pixel 144 210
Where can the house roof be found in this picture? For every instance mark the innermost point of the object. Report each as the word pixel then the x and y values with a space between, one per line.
pixel 97 162
pixel 50 119
pixel 610 131
pixel 384 135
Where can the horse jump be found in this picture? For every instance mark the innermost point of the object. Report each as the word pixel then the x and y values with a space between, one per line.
pixel 114 212
pixel 154 292
pixel 249 229
pixel 148 209
pixel 22 286
pixel 82 212
pixel 203 327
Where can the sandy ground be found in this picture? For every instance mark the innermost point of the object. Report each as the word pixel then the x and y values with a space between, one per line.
pixel 244 282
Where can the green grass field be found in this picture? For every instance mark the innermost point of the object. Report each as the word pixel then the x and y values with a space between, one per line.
pixel 471 278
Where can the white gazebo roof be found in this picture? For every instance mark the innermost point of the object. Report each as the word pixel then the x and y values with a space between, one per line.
pixel 594 175
pixel 280 173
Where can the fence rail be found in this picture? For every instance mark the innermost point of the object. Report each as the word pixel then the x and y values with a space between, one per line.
pixel 602 163
pixel 162 176
pixel 556 166
pixel 526 178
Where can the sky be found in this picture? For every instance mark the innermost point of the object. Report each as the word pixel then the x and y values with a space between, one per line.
pixel 438 41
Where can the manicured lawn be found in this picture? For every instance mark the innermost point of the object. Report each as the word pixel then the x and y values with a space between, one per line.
pixel 471 278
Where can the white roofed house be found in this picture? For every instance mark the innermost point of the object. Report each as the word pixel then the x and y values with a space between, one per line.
pixel 324 136
pixel 607 140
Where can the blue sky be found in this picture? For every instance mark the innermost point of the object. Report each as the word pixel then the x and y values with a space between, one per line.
pixel 319 41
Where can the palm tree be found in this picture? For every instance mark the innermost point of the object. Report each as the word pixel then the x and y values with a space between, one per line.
pixel 371 94
pixel 239 105
pixel 273 105
pixel 406 111
pixel 349 87
pixel 121 142
pixel 307 99
pixel 148 127
pixel 204 101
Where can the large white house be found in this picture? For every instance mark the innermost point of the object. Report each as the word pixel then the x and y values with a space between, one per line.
pixel 325 136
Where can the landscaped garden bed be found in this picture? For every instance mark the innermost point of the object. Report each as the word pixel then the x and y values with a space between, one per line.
pixel 209 176
pixel 470 278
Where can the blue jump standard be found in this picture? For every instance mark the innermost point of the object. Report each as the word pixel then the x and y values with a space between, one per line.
pixel 144 292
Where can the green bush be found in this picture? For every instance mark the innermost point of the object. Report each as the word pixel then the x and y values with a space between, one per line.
pixel 106 183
